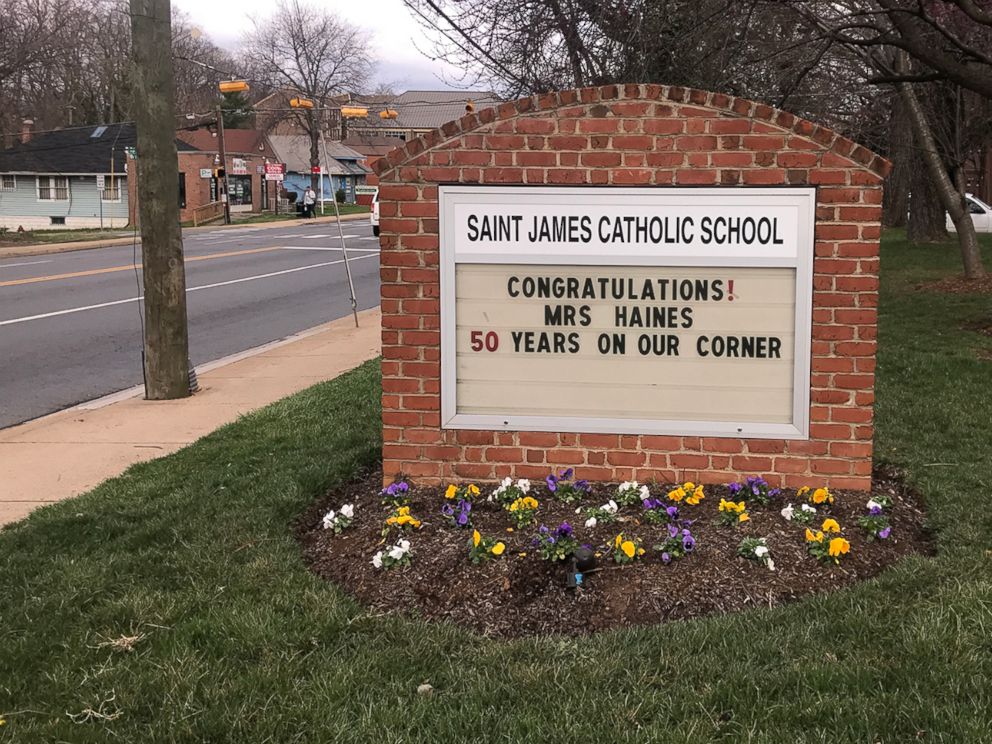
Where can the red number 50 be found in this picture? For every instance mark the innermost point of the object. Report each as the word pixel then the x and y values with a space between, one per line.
pixel 488 341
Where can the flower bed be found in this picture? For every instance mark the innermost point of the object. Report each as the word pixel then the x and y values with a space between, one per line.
pixel 646 556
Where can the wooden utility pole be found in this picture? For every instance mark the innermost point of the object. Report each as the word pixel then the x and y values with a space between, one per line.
pixel 166 334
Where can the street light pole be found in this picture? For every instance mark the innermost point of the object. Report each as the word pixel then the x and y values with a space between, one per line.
pixel 223 165
pixel 344 247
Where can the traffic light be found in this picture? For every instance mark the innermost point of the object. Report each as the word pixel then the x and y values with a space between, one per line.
pixel 354 112
pixel 233 86
pixel 469 107
pixel 305 103
pixel 388 114
pixel 219 172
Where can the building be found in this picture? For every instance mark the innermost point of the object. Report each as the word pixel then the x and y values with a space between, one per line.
pixel 372 147
pixel 417 112
pixel 246 151
pixel 343 171
pixel 69 178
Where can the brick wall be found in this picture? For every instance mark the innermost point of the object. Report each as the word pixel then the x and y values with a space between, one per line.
pixel 634 135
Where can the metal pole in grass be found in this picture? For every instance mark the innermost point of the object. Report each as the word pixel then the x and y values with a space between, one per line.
pixel 337 212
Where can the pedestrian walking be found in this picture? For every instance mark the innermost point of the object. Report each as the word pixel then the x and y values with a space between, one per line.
pixel 309 200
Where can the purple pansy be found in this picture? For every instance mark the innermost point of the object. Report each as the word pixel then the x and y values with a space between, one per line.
pixel 885 533
pixel 688 542
pixel 734 488
pixel 666 558
pixel 875 511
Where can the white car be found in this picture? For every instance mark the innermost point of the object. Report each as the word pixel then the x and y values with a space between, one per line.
pixel 981 215
pixel 374 219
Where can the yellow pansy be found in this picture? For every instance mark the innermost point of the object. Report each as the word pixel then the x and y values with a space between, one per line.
pixel 743 517
pixel 403 511
pixel 476 538
pixel 509 529
pixel 628 548
pixel 813 536
pixel 473 489
pixel 450 493
pixel 697 495
pixel 640 551
pixel 822 496
pixel 618 540
pixel 498 548
pixel 676 494
pixel 838 547
pixel 688 486
pixel 802 491
pixel 830 525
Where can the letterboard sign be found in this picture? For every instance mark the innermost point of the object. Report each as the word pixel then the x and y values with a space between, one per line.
pixel 627 310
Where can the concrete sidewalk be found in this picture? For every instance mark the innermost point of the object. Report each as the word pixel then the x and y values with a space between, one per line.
pixel 67 453
pixel 41 249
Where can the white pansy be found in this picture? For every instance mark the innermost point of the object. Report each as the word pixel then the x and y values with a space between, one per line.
pixel 591 522
pixel 787 512
pixel 348 510
pixel 524 485
pixel 404 545
pixel 506 482
pixel 771 564
pixel 396 553
pixel 377 560
pixel 645 493
pixel 627 486
pixel 872 504
pixel 761 551
pixel 610 507
pixel 329 520
pixel 808 508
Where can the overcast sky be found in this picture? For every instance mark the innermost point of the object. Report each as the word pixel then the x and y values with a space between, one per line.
pixel 396 35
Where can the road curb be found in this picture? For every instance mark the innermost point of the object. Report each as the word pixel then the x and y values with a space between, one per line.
pixel 133 392
pixel 44 249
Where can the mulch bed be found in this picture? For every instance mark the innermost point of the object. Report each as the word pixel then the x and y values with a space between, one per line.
pixel 522 595
pixel 958 285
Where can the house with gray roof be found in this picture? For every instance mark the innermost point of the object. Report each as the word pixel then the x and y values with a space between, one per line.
pixel 68 178
pixel 343 168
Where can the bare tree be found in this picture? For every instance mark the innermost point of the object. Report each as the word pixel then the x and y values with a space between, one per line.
pixel 890 36
pixel 308 51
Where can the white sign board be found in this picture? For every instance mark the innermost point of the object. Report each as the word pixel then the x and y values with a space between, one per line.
pixel 239 167
pixel 206 173
pixel 627 310
pixel 101 183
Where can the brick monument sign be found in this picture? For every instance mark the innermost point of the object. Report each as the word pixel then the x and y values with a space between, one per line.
pixel 640 282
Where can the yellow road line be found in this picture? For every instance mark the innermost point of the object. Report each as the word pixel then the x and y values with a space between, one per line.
pixel 129 267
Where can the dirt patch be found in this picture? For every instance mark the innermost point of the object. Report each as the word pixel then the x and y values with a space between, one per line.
pixel 521 595
pixel 958 285
pixel 982 327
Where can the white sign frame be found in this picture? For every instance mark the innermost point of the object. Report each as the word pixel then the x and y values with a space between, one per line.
pixel 800 257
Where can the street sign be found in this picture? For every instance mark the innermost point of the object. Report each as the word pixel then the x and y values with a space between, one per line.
pixel 275 171
pixel 316 169
pixel 101 183
pixel 206 173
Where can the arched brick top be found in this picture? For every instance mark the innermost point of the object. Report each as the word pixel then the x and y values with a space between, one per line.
pixel 633 101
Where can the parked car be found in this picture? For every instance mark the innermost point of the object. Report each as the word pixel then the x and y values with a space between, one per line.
pixel 981 215
pixel 374 219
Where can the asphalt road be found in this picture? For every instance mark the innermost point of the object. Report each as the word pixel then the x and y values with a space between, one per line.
pixel 70 323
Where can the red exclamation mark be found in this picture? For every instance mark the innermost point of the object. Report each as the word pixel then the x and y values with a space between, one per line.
pixel 730 290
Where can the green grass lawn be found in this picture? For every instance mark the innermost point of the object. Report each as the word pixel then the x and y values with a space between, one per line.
pixel 328 212
pixel 237 642
pixel 33 237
